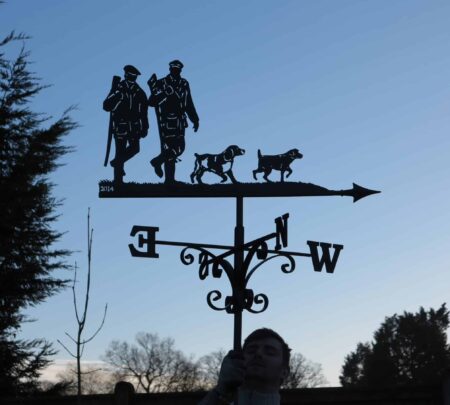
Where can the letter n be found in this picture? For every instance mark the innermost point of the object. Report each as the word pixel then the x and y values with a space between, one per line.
pixel 325 260
pixel 281 231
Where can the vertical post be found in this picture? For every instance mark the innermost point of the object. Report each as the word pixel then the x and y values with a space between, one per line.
pixel 238 276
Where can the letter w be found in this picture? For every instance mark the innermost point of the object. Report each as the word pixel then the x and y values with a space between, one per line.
pixel 325 260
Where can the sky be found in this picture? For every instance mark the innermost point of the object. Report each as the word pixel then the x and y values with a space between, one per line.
pixel 361 88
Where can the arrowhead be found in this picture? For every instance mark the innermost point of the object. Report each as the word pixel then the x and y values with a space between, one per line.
pixel 359 192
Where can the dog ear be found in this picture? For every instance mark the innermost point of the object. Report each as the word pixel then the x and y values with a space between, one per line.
pixel 229 153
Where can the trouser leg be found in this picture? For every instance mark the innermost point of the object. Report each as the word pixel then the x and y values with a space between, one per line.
pixel 117 162
pixel 169 171
pixel 173 148
pixel 132 149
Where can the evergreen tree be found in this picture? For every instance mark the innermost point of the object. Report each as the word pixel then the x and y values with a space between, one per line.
pixel 408 349
pixel 30 148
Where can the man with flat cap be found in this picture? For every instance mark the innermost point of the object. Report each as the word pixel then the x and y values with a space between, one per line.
pixel 127 103
pixel 172 100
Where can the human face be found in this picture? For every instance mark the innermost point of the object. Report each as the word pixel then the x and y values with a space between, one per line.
pixel 175 71
pixel 264 369
pixel 130 77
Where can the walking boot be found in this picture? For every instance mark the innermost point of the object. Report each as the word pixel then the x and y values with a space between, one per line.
pixel 156 163
pixel 113 164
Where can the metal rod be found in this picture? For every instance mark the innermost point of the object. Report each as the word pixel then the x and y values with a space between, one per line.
pixel 231 249
pixel 200 245
pixel 238 279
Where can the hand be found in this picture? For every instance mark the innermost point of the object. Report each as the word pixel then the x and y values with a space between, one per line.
pixel 195 126
pixel 231 374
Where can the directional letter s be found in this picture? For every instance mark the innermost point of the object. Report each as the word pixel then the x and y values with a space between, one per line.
pixel 325 260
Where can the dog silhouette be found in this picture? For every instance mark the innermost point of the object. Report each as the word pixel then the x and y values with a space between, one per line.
pixel 267 163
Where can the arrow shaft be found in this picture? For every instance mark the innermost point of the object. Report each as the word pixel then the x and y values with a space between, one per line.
pixel 194 245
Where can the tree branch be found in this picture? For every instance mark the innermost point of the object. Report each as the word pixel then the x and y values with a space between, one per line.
pixel 67 350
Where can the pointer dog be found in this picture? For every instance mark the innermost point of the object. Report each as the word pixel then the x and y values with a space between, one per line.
pixel 267 163
pixel 220 164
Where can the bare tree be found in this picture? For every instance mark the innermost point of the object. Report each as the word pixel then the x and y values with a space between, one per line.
pixel 79 341
pixel 154 365
pixel 303 373
pixel 210 367
pixel 95 379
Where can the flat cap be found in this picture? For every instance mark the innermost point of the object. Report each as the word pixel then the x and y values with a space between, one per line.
pixel 131 69
pixel 176 63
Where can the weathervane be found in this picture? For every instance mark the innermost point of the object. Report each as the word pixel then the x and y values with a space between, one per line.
pixel 172 100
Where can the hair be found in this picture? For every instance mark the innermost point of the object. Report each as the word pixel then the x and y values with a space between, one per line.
pixel 263 333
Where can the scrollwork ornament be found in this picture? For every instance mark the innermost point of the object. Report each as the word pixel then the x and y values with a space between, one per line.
pixel 262 251
pixel 288 267
pixel 259 299
pixel 204 259
pixel 186 258
pixel 285 268
pixel 216 295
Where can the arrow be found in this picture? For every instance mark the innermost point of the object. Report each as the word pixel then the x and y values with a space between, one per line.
pixel 286 189
pixel 357 192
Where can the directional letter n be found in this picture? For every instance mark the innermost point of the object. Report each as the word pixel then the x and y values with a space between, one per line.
pixel 281 231
pixel 144 242
pixel 325 260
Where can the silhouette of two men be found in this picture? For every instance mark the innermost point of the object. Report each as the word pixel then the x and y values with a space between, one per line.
pixel 128 105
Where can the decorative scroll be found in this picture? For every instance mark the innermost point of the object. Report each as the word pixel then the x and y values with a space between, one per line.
pixel 216 295
pixel 205 259
pixel 218 264
pixel 260 248
pixel 285 267
pixel 257 299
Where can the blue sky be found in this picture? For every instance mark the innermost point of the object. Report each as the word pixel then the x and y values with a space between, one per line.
pixel 361 88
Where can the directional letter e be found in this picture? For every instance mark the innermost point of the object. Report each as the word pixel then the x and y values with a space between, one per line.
pixel 142 241
pixel 325 260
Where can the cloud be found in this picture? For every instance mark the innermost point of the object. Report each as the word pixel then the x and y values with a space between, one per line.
pixel 58 366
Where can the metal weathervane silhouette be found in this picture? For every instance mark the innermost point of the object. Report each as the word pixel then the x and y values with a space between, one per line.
pixel 172 100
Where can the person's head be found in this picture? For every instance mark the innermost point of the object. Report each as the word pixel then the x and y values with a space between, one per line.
pixel 175 68
pixel 123 393
pixel 131 73
pixel 266 359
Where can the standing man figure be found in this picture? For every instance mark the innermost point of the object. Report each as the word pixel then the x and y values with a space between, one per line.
pixel 127 103
pixel 255 375
pixel 172 100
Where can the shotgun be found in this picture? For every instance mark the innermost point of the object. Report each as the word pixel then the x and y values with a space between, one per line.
pixel 115 82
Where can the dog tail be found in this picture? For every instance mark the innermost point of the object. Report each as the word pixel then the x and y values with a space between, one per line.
pixel 259 154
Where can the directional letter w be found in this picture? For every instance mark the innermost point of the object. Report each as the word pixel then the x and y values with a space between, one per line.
pixel 325 260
